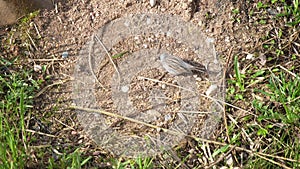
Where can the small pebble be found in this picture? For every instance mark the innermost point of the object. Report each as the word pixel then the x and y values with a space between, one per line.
pixel 37 68
pixel 168 117
pixel 152 3
pixel 64 55
pixel 125 89
pixel 227 39
pixel 96 153
pixel 74 132
pixel 211 89
pixel 249 56
pixel 229 160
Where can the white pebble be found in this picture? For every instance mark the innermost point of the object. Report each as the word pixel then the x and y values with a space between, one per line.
pixel 210 40
pixel 249 56
pixel 229 160
pixel 227 39
pixel 168 117
pixel 125 89
pixel 211 89
pixel 65 55
pixel 37 68
pixel 152 3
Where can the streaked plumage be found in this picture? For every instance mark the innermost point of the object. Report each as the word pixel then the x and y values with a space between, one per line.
pixel 176 66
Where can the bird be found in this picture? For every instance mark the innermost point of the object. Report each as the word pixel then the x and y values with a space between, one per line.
pixel 176 66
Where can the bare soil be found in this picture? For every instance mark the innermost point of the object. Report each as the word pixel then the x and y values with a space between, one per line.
pixel 69 27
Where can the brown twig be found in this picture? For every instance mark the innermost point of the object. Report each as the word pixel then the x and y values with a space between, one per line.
pixel 203 95
pixel 110 58
pixel 90 63
pixel 173 132
pixel 220 158
pixel 230 56
pixel 49 86
pixel 40 133
pixel 44 60
pixel 31 40
pixel 274 162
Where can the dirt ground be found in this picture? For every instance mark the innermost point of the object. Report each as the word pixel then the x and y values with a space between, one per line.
pixel 69 27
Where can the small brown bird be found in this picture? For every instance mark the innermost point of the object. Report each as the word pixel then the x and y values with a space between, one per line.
pixel 176 66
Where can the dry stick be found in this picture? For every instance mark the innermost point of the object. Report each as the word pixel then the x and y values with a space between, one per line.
pixel 224 75
pixel 293 100
pixel 49 86
pixel 110 59
pixel 290 40
pixel 44 60
pixel 254 48
pixel 56 8
pixel 274 162
pixel 217 100
pixel 32 41
pixel 209 152
pixel 40 133
pixel 243 130
pixel 293 74
pixel 179 133
pixel 203 147
pixel 64 124
pixel 221 158
pixel 41 146
pixel 36 29
pixel 90 63
pixel 194 112
pixel 125 118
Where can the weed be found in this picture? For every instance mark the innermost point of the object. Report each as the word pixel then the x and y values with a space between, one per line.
pixel 144 163
pixel 70 160
pixel 239 77
pixel 291 12
pixel 236 11
pixel 138 163
pixel 261 5
pixel 16 93
pixel 286 94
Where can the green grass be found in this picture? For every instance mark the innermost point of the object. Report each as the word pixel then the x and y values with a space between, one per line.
pixel 70 160
pixel 270 91
pixel 279 116
pixel 286 92
pixel 138 163
pixel 291 11
pixel 16 93
pixel 273 125
pixel 18 85
pixel 17 88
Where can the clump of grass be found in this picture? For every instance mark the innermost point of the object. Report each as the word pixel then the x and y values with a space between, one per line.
pixel 291 11
pixel 285 91
pixel 138 163
pixel 16 93
pixel 18 87
pixel 69 160
pixel 269 89
pixel 278 118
